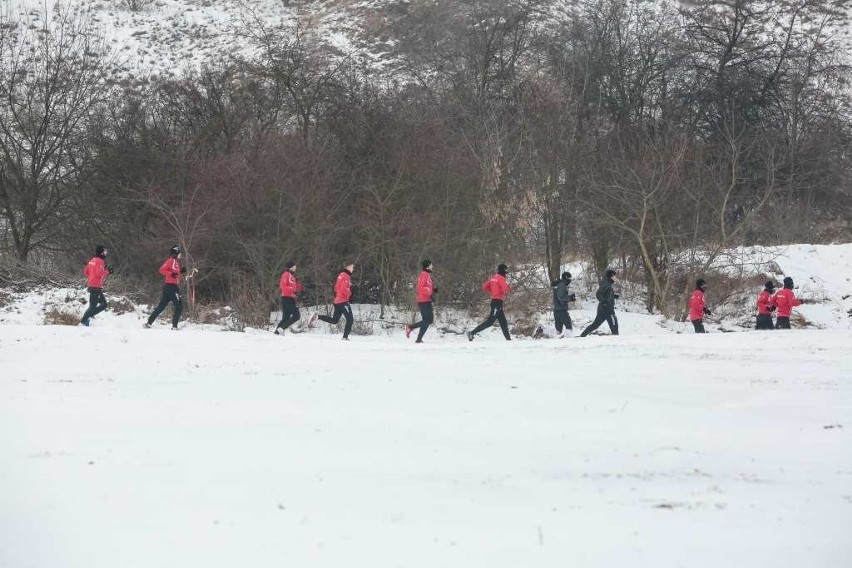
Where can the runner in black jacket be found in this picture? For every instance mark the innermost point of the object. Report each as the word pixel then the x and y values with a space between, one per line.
pixel 606 305
pixel 561 297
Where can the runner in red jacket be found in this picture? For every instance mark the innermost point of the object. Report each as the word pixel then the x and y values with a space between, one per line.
pixel 765 306
pixel 786 300
pixel 342 294
pixel 697 309
pixel 423 292
pixel 290 287
pixel 172 270
pixel 96 272
pixel 498 288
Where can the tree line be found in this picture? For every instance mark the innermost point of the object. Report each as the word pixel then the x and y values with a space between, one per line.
pixel 625 132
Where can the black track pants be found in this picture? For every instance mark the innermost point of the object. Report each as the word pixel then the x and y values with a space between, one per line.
pixel 171 294
pixel 605 314
pixel 427 317
pixel 344 310
pixel 289 312
pixel 562 319
pixel 496 314
pixel 97 303
pixel 764 321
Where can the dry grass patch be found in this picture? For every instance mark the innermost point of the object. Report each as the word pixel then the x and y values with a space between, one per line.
pixel 58 315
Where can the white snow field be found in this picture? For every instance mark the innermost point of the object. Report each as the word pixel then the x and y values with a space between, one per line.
pixel 125 448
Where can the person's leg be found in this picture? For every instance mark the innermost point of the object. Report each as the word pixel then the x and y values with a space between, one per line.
pixel 93 306
pixel 563 321
pixel 698 325
pixel 612 320
pixel 783 323
pixel 599 319
pixel 178 302
pixel 283 314
pixel 292 315
pixel 102 303
pixel 504 325
pixel 164 301
pixel 557 320
pixel 421 323
pixel 346 310
pixel 428 315
pixel 489 321
pixel 335 316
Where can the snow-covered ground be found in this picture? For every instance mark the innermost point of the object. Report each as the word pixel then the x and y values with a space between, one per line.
pixel 134 448
pixel 143 448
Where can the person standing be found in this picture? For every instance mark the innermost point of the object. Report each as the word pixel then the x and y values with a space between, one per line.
pixel 498 288
pixel 290 287
pixel 424 290
pixel 765 306
pixel 342 295
pixel 785 300
pixel 697 308
pixel 561 297
pixel 96 272
pixel 606 297
pixel 172 272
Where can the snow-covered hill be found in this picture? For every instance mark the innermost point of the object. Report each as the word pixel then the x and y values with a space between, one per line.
pixel 169 37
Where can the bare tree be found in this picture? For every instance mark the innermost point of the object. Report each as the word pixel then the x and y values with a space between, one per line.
pixel 637 189
pixel 52 80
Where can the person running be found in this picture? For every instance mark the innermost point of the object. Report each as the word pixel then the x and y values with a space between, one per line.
pixel 765 306
pixel 606 297
pixel 697 308
pixel 96 272
pixel 561 297
pixel 342 295
pixel 424 290
pixel 290 287
pixel 786 300
pixel 498 288
pixel 172 272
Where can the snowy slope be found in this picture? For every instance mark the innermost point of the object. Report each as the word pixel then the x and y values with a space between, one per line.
pixel 169 37
pixel 131 448
pixel 823 277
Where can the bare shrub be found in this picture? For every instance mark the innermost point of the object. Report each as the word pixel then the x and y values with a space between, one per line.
pixel 361 327
pixel 798 320
pixel 251 306
pixel 137 5
pixel 121 306
pixel 56 315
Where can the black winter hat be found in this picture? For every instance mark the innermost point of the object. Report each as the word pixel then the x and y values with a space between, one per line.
pixel 770 285
pixel 700 283
pixel 289 264
pixel 175 250
pixel 788 282
pixel 610 272
pixel 99 250
pixel 502 269
pixel 426 263
pixel 566 276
